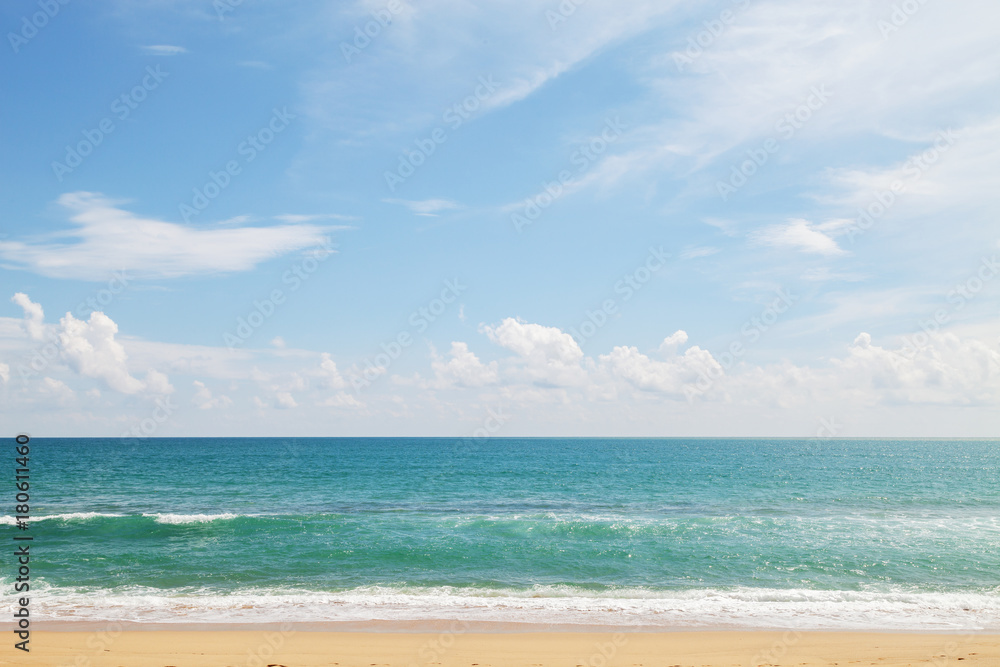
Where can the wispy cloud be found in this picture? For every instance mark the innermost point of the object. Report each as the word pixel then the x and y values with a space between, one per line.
pixel 799 235
pixel 164 50
pixel 294 218
pixel 147 247
pixel 700 251
pixel 426 207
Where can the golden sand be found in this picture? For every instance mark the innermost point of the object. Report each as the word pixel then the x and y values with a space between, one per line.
pixel 570 649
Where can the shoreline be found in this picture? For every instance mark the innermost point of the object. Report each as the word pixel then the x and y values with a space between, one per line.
pixel 430 626
pixel 290 647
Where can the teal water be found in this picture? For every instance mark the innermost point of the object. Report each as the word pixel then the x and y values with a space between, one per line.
pixel 777 533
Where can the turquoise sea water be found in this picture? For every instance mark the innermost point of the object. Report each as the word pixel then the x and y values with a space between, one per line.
pixel 658 532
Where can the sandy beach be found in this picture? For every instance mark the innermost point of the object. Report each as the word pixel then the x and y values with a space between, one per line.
pixel 668 649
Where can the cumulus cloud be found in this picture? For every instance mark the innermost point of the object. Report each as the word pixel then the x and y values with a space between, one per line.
pixel 205 400
pixel 106 236
pixel 935 368
pixel 90 349
pixel 56 391
pixel 285 401
pixel 342 400
pixel 331 375
pixel 34 316
pixel 674 376
pixel 463 368
pixel 547 354
pixel 673 341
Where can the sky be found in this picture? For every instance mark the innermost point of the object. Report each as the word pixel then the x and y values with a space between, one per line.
pixel 500 218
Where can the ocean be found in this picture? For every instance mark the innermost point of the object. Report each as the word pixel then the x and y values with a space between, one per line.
pixel 632 533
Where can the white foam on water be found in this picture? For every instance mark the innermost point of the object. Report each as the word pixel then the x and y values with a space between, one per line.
pixel 176 519
pixel 159 518
pixel 635 607
pixel 72 516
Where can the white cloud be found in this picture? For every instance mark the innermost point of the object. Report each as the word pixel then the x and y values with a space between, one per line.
pixel 294 218
pixel 672 376
pixel 57 391
pixel 550 383
pixel 205 400
pixel 463 368
pixel 34 316
pixel 90 349
pixel 535 340
pixel 342 400
pixel 278 342
pixel 331 375
pixel 547 354
pixel 4 373
pixel 937 368
pixel 164 50
pixel 157 383
pixel 284 401
pixel 426 207
pixel 797 234
pixel 427 43
pixel 696 252
pixel 744 81
pixel 672 342
pixel 109 237
pixel 949 172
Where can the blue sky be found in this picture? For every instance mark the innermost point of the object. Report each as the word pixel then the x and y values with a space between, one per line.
pixel 632 218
